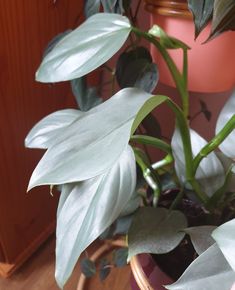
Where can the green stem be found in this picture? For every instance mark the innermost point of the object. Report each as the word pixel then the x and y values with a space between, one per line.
pixel 176 75
pixel 149 174
pixel 214 143
pixel 182 123
pixel 164 162
pixel 148 140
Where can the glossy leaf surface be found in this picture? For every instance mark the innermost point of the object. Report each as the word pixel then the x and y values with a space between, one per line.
pixel 45 132
pixel 88 267
pixel 228 111
pixel 225 238
pixel 210 173
pixel 209 271
pixel 85 48
pixel 89 209
pixel 155 230
pixel 202 13
pixel 223 16
pixel 94 143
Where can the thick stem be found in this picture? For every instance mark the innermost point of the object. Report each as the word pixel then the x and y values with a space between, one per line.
pixel 182 123
pixel 180 81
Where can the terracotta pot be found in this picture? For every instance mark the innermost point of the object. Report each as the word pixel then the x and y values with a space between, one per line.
pixel 211 65
pixel 146 275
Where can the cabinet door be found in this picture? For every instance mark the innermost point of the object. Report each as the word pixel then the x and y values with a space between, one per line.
pixel 26 26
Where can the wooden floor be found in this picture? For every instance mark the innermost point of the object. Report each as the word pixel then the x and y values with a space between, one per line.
pixel 38 274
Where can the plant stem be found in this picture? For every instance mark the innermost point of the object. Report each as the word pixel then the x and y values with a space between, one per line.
pixel 188 155
pixel 148 140
pixel 176 75
pixel 214 143
pixel 149 174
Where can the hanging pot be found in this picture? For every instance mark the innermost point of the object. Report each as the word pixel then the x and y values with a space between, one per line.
pixel 211 65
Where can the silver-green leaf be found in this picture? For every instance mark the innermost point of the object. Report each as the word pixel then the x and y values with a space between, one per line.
pixel 209 271
pixel 225 238
pixel 210 173
pixel 93 143
pixel 90 208
pixel 155 230
pixel 201 237
pixel 85 48
pixel 45 132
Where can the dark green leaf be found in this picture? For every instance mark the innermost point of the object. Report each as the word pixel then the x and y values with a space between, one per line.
pixel 88 267
pixel 122 225
pixel 104 269
pixel 223 17
pixel 91 7
pixel 135 69
pixel 86 97
pixel 120 257
pixel 155 230
pixel 152 126
pixel 202 12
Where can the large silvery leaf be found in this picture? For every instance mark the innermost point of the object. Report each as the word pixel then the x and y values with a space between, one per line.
pixel 45 132
pixel 202 13
pixel 210 173
pixel 228 111
pixel 201 237
pixel 93 143
pixel 225 238
pixel 209 271
pixel 89 209
pixel 223 16
pixel 85 48
pixel 155 230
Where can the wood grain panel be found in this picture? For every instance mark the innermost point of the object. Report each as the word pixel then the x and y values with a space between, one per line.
pixel 26 26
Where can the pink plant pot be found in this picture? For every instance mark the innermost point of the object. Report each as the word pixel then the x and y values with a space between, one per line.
pixel 211 65
pixel 153 273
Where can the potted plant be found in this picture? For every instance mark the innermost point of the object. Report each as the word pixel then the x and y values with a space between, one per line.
pixel 177 20
pixel 186 209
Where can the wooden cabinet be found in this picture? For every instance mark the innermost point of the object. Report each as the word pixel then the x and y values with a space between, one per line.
pixel 26 26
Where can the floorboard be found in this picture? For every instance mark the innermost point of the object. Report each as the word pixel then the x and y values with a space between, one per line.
pixel 38 274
